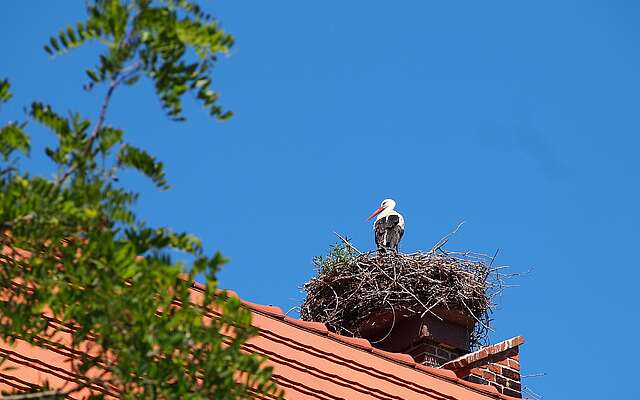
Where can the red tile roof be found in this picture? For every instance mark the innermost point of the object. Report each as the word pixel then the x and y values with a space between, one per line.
pixel 309 362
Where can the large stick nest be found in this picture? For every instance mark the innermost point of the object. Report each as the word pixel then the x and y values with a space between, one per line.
pixel 352 286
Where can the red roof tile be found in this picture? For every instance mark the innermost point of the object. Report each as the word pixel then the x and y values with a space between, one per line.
pixel 269 310
pixel 399 357
pixel 354 341
pixel 313 326
pixel 309 362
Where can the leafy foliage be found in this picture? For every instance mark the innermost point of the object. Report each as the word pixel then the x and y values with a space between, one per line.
pixel 74 250
pixel 172 42
pixel 5 94
pixel 12 136
pixel 143 162
pixel 338 254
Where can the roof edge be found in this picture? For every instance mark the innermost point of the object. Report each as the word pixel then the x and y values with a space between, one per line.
pixel 468 359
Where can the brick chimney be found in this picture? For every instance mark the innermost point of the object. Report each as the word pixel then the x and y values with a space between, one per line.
pixel 433 339
pixel 442 339
pixel 497 365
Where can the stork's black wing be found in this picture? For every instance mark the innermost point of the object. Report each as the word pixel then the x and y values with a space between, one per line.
pixel 394 232
pixel 388 232
pixel 379 230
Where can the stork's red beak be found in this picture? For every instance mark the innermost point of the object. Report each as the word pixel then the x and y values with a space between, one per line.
pixel 376 212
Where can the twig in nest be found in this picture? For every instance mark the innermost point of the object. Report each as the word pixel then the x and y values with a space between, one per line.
pixel 445 239
pixel 494 256
pixel 345 241
pixel 536 375
pixel 476 318
pixel 288 311
pixel 410 293
pixel 429 310
pixel 534 395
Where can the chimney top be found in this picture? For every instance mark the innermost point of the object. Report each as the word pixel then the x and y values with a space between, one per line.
pixel 497 365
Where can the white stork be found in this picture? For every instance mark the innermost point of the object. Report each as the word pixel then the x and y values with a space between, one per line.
pixel 389 226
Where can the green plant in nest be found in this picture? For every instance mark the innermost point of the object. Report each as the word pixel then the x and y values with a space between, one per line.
pixel 338 254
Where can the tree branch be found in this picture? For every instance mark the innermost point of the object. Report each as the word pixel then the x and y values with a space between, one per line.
pixel 117 78
pixel 37 395
pixel 48 393
pixel 96 129
pixel 347 243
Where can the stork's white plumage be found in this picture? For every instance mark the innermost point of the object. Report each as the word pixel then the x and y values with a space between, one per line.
pixel 389 226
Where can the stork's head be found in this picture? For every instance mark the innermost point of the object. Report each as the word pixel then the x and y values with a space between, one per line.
pixel 387 204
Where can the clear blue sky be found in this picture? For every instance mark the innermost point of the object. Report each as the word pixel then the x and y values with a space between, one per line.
pixel 519 117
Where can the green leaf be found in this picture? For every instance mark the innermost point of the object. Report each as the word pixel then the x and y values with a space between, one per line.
pixel 5 93
pixel 13 138
pixel 71 35
pixel 54 44
pixel 130 156
pixel 63 39
pixel 92 75
pixel 108 138
pixel 70 38
pixel 132 81
pixel 44 114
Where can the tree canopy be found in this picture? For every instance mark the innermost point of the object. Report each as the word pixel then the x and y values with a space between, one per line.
pixel 90 262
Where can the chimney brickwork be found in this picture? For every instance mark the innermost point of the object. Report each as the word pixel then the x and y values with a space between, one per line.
pixel 497 365
pixel 442 340
pixel 430 339
pixel 432 354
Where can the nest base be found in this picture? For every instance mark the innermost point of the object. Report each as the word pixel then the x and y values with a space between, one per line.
pixel 368 294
